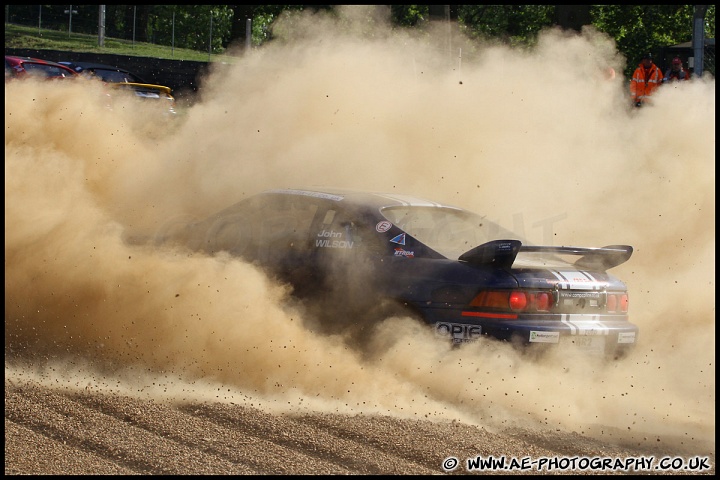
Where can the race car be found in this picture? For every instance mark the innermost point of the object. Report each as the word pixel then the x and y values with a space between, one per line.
pixel 357 257
pixel 120 78
pixel 29 67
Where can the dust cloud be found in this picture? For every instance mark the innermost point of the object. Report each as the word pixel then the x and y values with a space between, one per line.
pixel 540 140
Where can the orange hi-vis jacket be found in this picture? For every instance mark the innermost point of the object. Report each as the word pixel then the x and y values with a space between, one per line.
pixel 644 82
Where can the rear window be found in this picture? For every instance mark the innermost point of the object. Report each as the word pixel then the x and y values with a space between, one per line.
pixel 449 231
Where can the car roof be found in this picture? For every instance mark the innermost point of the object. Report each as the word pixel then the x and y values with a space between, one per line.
pixel 93 66
pixel 360 197
pixel 13 63
pixel 18 59
pixel 80 66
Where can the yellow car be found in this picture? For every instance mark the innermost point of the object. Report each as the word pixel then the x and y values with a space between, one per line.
pixel 121 78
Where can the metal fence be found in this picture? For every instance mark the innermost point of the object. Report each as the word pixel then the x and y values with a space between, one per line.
pixel 86 19
pixel 129 23
pixel 687 54
pixel 709 57
pixel 70 18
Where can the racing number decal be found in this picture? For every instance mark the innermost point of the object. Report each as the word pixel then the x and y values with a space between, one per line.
pixel 383 226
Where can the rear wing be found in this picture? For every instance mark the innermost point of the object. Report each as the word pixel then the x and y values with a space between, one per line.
pixel 502 253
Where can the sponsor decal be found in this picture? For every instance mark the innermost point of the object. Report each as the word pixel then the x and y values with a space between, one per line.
pixel 325 243
pixel 399 252
pixel 383 226
pixel 544 337
pixel 458 332
pixel 569 280
pixel 626 337
pixel 565 295
pixel 330 233
pixel 400 239
pixel 504 247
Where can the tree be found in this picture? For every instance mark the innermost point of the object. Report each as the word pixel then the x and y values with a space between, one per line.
pixel 409 15
pixel 514 24
pixel 643 28
pixel 635 28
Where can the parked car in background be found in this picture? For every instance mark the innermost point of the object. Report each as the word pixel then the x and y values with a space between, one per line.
pixel 107 73
pixel 29 67
pixel 120 78
pixel 360 256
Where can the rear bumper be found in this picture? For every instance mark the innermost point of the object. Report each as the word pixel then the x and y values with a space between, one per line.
pixel 606 333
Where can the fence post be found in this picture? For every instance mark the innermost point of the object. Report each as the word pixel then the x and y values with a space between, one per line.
pixel 698 38
pixel 101 26
pixel 248 34
pixel 71 11
pixel 210 44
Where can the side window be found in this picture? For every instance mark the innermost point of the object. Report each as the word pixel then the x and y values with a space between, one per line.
pixel 285 227
pixel 334 232
pixel 48 71
pixel 266 230
pixel 341 231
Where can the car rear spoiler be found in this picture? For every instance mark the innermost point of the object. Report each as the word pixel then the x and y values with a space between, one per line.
pixel 502 253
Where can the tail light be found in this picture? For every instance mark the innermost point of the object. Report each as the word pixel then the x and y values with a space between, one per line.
pixel 617 302
pixel 508 303
pixel 515 300
pixel 518 301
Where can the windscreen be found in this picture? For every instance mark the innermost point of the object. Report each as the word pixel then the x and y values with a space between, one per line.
pixel 449 231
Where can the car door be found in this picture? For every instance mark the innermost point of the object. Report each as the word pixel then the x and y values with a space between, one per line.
pixel 284 240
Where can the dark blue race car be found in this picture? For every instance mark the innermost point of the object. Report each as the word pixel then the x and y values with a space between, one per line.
pixel 357 257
